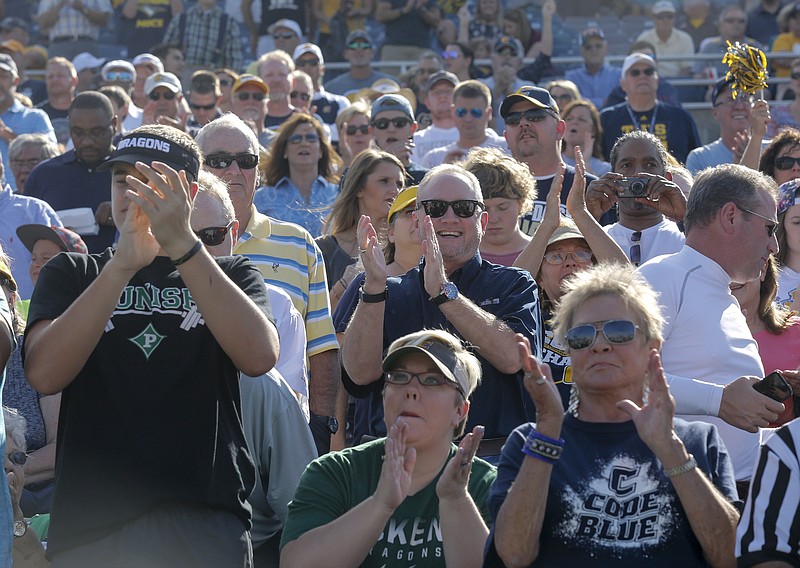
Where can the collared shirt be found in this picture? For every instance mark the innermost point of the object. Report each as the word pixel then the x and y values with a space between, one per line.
pixel 283 201
pixel 288 258
pixel 84 187
pixel 595 87
pixel 23 120
pixel 71 22
pixel 500 402
pixel 16 210
pixel 201 37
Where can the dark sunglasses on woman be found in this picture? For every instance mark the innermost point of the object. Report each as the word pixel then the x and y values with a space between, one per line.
pixel 616 332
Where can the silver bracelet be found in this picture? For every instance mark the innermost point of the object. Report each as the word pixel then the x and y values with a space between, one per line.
pixel 681 469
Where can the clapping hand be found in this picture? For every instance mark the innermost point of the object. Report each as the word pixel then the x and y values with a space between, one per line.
pixel 453 482
pixel 398 466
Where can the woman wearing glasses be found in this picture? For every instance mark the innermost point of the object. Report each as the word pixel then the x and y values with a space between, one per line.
pixel 353 126
pixel 411 498
pixel 301 175
pixel 616 480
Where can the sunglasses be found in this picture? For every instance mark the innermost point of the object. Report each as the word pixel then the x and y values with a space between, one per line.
pixel 297 138
pixel 351 130
pixel 786 162
pixel 530 115
pixel 17 458
pixel 225 82
pixel 450 54
pixel 772 225
pixel 558 257
pixel 245 96
pixel 635 253
pixel 636 72
pixel 169 95
pixel 224 161
pixel 194 106
pixel 302 96
pixel 359 45
pixel 461 112
pixel 425 379
pixel 8 283
pixel 464 208
pixel 282 36
pixel 399 122
pixel 307 62
pixel 616 332
pixel 125 76
pixel 213 236
pixel 795 75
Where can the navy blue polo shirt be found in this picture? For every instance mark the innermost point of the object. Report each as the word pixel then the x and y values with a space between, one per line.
pixel 500 403
pixel 65 183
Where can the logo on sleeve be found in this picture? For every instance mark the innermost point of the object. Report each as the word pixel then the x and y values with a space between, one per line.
pixel 148 340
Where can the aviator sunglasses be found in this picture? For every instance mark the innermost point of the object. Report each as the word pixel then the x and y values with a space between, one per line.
pixel 461 112
pixel 213 236
pixel 223 161
pixel 616 332
pixel 464 208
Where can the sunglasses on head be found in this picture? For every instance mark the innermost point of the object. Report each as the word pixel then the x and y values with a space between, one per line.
pixel 359 45
pixel 557 257
pixel 425 379
pixel 461 112
pixel 464 208
pixel 636 72
pixel 17 458
pixel 307 62
pixel 195 106
pixel 786 162
pixel 297 138
pixel 616 332
pixel 399 122
pixel 530 115
pixel 223 161
pixel 302 96
pixel 213 236
pixel 353 129
pixel 119 76
pixel 453 54
pixel 245 96
pixel 168 95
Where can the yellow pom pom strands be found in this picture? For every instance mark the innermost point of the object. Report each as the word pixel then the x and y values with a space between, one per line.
pixel 747 66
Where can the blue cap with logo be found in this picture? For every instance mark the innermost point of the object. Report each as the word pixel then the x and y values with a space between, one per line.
pixel 538 97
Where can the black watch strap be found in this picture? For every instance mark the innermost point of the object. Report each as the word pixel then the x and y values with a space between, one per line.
pixel 373 298
pixel 329 422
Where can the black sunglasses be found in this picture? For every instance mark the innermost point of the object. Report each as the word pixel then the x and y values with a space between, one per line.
pixel 359 45
pixel 531 115
pixel 307 62
pixel 464 208
pixel 168 95
pixel 223 161
pixel 635 253
pixel 425 379
pixel 194 106
pixel 352 129
pixel 18 457
pixel 399 122
pixel 786 162
pixel 616 332
pixel 246 96
pixel 636 72
pixel 303 96
pixel 461 112
pixel 213 236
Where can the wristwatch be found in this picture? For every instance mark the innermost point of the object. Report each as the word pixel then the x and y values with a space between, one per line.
pixel 328 422
pixel 449 292
pixel 373 298
pixel 20 528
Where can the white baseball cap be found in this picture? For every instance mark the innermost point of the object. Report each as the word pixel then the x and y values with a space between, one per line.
pixel 167 80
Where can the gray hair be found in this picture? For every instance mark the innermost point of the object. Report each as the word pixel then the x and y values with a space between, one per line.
pixel 48 147
pixel 216 188
pixel 228 121
pixel 714 187
pixel 16 427
pixel 451 170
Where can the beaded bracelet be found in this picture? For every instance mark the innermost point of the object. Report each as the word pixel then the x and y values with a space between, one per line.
pixel 542 447
pixel 194 250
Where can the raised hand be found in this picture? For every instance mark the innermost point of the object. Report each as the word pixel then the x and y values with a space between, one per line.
pixel 538 381
pixel 552 212
pixel 371 255
pixel 398 466
pixel 453 482
pixel 576 198
pixel 435 275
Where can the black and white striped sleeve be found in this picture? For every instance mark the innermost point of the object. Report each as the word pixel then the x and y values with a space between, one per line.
pixel 769 529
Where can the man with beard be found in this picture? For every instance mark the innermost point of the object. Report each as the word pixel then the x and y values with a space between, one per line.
pixel 71 180
pixel 274 68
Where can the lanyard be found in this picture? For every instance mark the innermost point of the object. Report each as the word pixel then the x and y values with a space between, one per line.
pixel 637 124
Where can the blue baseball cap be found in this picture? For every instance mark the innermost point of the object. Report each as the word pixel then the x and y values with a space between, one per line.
pixel 538 97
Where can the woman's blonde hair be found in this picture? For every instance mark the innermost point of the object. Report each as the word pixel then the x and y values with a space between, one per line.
pixel 500 175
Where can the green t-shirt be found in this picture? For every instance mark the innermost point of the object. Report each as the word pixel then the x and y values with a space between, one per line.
pixel 337 482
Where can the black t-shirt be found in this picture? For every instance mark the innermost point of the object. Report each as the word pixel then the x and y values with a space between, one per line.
pixel 154 416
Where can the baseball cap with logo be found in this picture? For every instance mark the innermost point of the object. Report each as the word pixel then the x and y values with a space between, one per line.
pixel 86 60
pixel 167 80
pixel 67 240
pixel 440 355
pixel 7 63
pixel 508 42
pixel 149 59
pixel 540 98
pixel 304 48
pixel 635 58
pixel 144 146
pixel 245 80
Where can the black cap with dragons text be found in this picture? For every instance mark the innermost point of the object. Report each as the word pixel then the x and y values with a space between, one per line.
pixel 137 146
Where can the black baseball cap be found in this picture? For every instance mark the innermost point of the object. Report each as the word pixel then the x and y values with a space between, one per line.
pixel 148 147
pixel 540 98
pixel 720 86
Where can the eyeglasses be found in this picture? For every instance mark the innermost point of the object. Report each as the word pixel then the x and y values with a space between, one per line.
pixel 399 122
pixel 224 161
pixel 531 115
pixel 225 82
pixel 557 257
pixel 168 95
pixel 283 36
pixel 17 458
pixel 213 236
pixel 786 162
pixel 425 379
pixel 359 45
pixel 245 96
pixel 124 76
pixel 307 62
pixel 735 21
pixel 453 54
pixel 352 129
pixel 302 96
pixel 650 71
pixel 95 133
pixel 297 138
pixel 636 249
pixel 772 225
pixel 616 332
pixel 195 106
pixel 464 208
pixel 461 112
